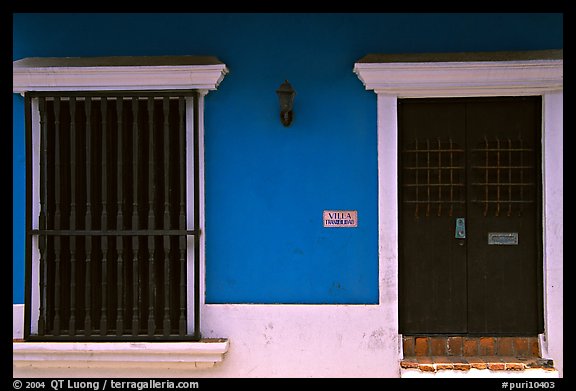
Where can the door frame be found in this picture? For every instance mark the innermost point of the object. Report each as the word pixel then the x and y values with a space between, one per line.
pixel 471 75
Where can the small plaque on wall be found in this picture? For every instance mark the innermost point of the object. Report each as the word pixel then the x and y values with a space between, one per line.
pixel 503 238
pixel 340 218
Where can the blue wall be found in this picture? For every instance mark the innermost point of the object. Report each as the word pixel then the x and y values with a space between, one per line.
pixel 266 185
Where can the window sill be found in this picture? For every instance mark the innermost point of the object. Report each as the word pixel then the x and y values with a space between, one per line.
pixel 185 355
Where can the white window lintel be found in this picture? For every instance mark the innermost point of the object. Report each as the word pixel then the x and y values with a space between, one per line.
pixel 117 73
pixel 462 74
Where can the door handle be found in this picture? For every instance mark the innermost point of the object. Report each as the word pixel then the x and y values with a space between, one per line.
pixel 460 228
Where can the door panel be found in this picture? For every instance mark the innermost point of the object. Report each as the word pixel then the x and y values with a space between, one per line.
pixel 475 159
pixel 432 197
pixel 503 188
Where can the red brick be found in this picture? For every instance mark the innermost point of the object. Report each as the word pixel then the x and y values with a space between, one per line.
pixel 534 347
pixel 462 366
pixel 408 346
pixel 426 364
pixel 443 362
pixel 409 363
pixel 421 346
pixel 427 367
pixel 470 347
pixel 514 366
pixel 476 362
pixel 454 346
pixel 505 346
pixel 460 363
pixel 494 363
pixel 487 346
pixel 438 346
pixel 521 346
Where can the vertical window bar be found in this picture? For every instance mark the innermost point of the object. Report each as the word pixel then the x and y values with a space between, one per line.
pixel 42 223
pixel 104 219
pixel 196 217
pixel 451 177
pixel 497 176
pixel 166 155
pixel 72 320
pixel 416 178
pixel 509 177
pixel 57 215
pixel 521 152
pixel 119 221
pixel 182 214
pixel 428 177
pixel 486 158
pixel 439 178
pixel 88 220
pixel 135 223
pixel 151 218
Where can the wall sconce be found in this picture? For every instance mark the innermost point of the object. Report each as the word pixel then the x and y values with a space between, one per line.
pixel 286 98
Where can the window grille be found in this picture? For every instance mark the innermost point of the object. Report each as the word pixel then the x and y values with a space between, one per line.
pixel 504 176
pixel 108 256
pixel 433 176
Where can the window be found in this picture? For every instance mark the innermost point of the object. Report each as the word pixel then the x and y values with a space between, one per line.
pixel 114 196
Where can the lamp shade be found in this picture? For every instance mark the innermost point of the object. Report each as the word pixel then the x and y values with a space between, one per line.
pixel 286 98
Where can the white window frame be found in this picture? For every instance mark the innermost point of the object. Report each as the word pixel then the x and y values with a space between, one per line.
pixel 104 74
pixel 393 77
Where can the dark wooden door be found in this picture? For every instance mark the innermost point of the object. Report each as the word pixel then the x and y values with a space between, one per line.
pixel 470 227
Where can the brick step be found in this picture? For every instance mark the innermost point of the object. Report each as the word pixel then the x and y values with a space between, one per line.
pixel 470 346
pixel 461 363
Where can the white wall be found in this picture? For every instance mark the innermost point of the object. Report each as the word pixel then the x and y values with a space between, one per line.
pixel 305 340
pixel 278 341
